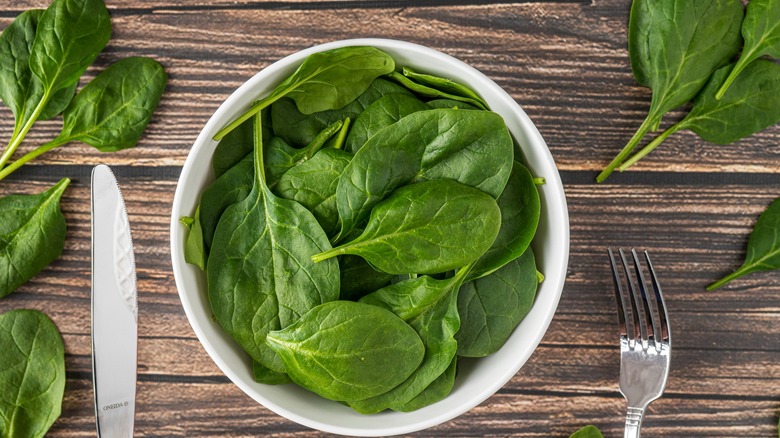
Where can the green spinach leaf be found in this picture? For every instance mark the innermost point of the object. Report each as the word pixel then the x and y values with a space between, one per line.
pixel 325 81
pixel 763 248
pixel 236 146
pixel 426 91
pixel 674 47
pixel 379 115
pixel 32 235
pixel 449 103
pixel 263 374
pixel 428 227
pixel 231 187
pixel 587 432
pixel 472 147
pixel 761 31
pixel 194 250
pixel 436 391
pixel 348 351
pixel 492 306
pixel 280 157
pixel 446 85
pixel 32 373
pixel 260 274
pixel 359 278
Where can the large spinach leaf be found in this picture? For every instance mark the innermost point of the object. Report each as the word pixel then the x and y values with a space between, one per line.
pixel 763 248
pixel 761 31
pixel 749 106
pixel 492 306
pixel 427 228
pixel 348 351
pixel 436 391
pixel 260 274
pixel 359 278
pixel 32 235
pixel 379 115
pixel 280 157
pixel 325 81
pixel 472 147
pixel 431 92
pixel 446 85
pixel 32 373
pixel 674 47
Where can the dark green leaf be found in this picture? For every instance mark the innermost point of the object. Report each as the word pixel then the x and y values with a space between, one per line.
pixel 234 147
pixel 358 278
pixel 32 235
pixel 426 91
pixel 231 187
pixel 449 103
pixel 348 351
pixel 763 249
pixel 194 250
pixel 379 115
pixel 260 274
pixel 520 209
pixel 436 391
pixel 472 147
pixel 313 184
pixel 280 157
pixel 112 111
pixel 428 227
pixel 32 373
pixel 446 85
pixel 587 432
pixel 263 374
pixel 492 306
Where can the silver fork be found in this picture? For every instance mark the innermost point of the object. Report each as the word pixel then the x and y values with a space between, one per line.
pixel 645 340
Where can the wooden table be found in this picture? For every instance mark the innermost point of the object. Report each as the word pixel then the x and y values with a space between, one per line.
pixel 691 203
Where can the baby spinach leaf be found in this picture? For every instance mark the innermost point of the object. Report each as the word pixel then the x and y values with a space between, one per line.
pixel 325 81
pixel 379 115
pixel 234 147
pixel 430 307
pixel 749 106
pixel 32 235
pixel 263 374
pixel 492 306
pixel 348 351
pixel 313 184
pixel 761 31
pixel 299 129
pixel 472 147
pixel 674 47
pixel 446 85
pixel 763 248
pixel 194 251
pixel 358 278
pixel 231 187
pixel 112 111
pixel 436 391
pixel 587 432
pixel 449 103
pixel 260 274
pixel 32 373
pixel 426 91
pixel 280 157
pixel 428 227
pixel 520 210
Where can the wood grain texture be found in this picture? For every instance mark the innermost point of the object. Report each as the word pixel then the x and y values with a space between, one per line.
pixel 692 204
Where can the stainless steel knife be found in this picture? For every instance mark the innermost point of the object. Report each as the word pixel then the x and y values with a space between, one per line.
pixel 114 309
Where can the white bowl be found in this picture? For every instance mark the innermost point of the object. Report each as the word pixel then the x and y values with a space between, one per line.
pixel 477 379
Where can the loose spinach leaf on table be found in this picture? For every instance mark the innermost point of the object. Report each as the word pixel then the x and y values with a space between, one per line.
pixel 430 92
pixel 231 187
pixel 761 31
pixel 325 81
pixel 194 250
pixel 443 84
pixel 32 235
pixel 359 278
pixel 299 129
pixel 674 47
pixel 436 391
pixel 492 306
pixel 348 351
pixel 260 274
pixel 749 106
pixel 313 184
pixel 472 147
pixel 32 373
pixel 426 228
pixel 263 374
pixel 763 248
pixel 379 115
pixel 520 210
pixel 587 432
pixel 280 157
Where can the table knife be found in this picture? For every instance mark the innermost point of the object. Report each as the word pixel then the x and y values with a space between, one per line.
pixel 114 309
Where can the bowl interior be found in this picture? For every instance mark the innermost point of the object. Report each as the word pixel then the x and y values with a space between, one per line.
pixel 476 379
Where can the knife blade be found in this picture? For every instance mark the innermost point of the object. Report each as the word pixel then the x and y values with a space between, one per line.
pixel 114 309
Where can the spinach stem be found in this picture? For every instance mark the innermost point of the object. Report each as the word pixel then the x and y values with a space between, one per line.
pixel 254 109
pixel 258 149
pixel 19 137
pixel 32 155
pixel 638 136
pixel 743 61
pixel 342 136
pixel 650 146
pixel 316 258
pixel 736 274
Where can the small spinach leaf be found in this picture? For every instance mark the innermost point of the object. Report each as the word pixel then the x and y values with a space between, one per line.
pixel 446 85
pixel 325 81
pixel 428 227
pixel 341 350
pixel 436 391
pixel 359 278
pixel 194 251
pixel 587 432
pixel 426 91
pixel 32 235
pixel 763 248
pixel 32 373
pixel 492 306
pixel 263 374
pixel 280 157
pixel 231 187
pixel 379 115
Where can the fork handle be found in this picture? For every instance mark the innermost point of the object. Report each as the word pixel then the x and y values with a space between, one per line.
pixel 633 422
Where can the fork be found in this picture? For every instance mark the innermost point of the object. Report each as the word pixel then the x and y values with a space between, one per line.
pixel 645 340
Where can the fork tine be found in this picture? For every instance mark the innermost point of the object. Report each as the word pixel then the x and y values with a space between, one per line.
pixel 640 326
pixel 648 300
pixel 623 310
pixel 659 298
